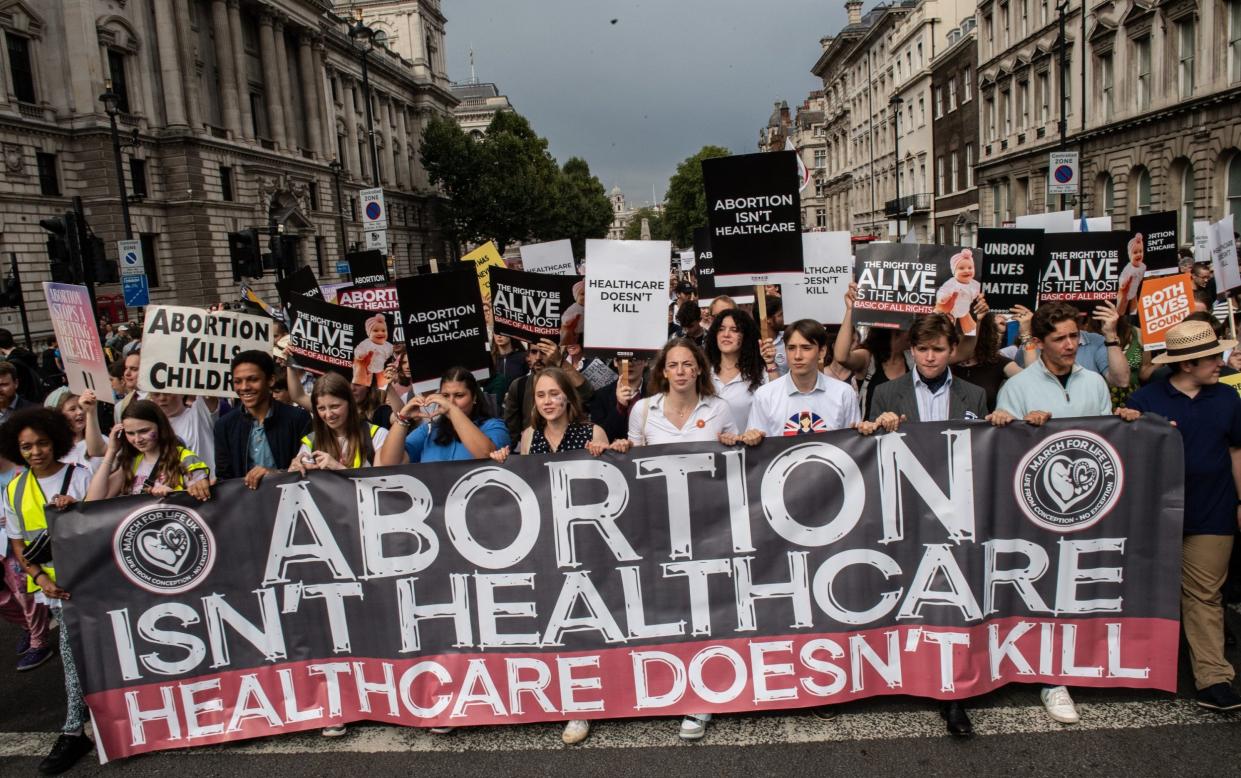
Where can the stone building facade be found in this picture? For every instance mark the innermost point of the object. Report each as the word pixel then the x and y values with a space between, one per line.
pixel 478 105
pixel 955 137
pixel 1153 109
pixel 240 108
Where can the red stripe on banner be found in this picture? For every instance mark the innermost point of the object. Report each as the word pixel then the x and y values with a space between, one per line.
pixel 672 679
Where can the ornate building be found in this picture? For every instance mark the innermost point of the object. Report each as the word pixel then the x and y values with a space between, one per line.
pixel 955 136
pixel 241 110
pixel 1151 98
pixel 479 103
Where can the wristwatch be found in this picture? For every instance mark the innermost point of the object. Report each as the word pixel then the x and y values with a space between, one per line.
pixel 1110 343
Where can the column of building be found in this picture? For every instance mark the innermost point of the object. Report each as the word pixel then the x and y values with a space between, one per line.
pixel 189 71
pixel 239 69
pixel 225 63
pixel 285 88
pixel 170 67
pixel 310 95
pixel 271 77
pixel 351 127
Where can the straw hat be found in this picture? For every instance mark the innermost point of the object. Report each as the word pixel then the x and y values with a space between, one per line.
pixel 1192 340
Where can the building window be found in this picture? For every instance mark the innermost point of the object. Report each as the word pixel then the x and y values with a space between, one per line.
pixel 939 102
pixel 312 191
pixel 1107 195
pixel 1234 40
pixel 997 206
pixel 969 165
pixel 953 182
pixel 21 71
pixel 921 112
pixel 226 183
pixel 320 259
pixel 952 91
pixel 1023 105
pixel 990 119
pixel 1008 40
pixel 1025 18
pixel 1066 100
pixel 1044 98
pixel 1043 12
pixel 1106 85
pixel 1187 199
pixel 150 260
pixel 967 93
pixel 49 181
pixel 138 177
pixel 1186 36
pixel 820 217
pixel 1144 192
pixel 120 85
pixel 939 177
pixel 1142 49
pixel 258 116
pixel 820 158
pixel 1006 111
pixel 1233 195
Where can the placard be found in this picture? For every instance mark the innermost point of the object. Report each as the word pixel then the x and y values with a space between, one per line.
pixel 704 271
pixel 1082 268
pixel 1154 238
pixel 77 336
pixel 533 306
pixel 626 296
pixel 686 260
pixel 598 374
pixel 377 299
pixel 484 258
pixel 554 258
pixel 1163 303
pixel 754 212
pixel 820 295
pixel 898 281
pixel 1056 221
pixel 190 351
pixel 300 283
pixel 445 326
pixel 1014 264
pixel 368 268
pixel 1224 255
pixel 327 337
pixel 1202 241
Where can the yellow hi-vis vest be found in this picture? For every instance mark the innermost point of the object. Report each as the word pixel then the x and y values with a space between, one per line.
pixel 28 506
pixel 309 442
pixel 190 462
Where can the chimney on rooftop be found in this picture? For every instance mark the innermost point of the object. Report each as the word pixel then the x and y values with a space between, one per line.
pixel 854 8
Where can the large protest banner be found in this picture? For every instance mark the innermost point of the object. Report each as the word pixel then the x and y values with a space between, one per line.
pixel 754 212
pixel 704 271
pixel 484 258
pixel 368 268
pixel 533 306
pixel 1158 242
pixel 445 326
pixel 626 296
pixel 77 336
pixel 1014 263
pixel 942 562
pixel 1164 303
pixel 820 295
pixel 554 258
pixel 190 351
pixel 326 337
pixel 1083 268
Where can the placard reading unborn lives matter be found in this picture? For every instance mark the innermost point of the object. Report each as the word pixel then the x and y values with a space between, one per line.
pixel 73 321
pixel 829 268
pixel 1014 263
pixel 626 296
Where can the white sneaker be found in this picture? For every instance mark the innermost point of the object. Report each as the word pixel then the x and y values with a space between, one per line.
pixel 1059 705
pixel 441 730
pixel 575 731
pixel 694 726
pixel 336 730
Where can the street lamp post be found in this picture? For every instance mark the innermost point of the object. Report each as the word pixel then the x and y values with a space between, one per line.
pixel 366 39
pixel 110 100
pixel 896 103
pixel 336 168
pixel 1062 9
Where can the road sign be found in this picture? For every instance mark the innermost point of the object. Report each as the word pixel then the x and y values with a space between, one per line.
pixel 374 214
pixel 342 268
pixel 377 240
pixel 134 288
pixel 1062 173
pixel 130 252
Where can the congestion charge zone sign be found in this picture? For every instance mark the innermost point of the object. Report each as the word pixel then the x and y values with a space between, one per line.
pixel 1062 172
pixel 374 214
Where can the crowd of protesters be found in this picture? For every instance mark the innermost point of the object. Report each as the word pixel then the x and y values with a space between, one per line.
pixel 720 377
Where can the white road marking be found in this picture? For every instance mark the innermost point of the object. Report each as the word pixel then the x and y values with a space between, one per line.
pixel 729 730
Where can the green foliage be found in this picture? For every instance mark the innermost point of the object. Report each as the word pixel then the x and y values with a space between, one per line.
pixel 659 227
pixel 686 203
pixel 584 208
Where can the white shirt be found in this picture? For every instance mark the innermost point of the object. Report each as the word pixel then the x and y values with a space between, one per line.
pixel 780 409
pixel 195 427
pixel 50 486
pixel 648 426
pixel 738 396
pixel 932 406
pixel 77 456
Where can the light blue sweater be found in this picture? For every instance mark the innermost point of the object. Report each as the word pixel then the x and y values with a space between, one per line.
pixel 1036 389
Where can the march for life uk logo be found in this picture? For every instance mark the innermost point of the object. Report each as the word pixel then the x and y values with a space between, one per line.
pixel 1069 481
pixel 165 549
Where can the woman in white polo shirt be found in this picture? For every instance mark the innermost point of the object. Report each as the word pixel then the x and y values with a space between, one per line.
pixel 684 408
pixel 740 362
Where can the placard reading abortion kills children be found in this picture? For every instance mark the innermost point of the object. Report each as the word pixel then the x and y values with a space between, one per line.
pixel 943 562
pixel 190 351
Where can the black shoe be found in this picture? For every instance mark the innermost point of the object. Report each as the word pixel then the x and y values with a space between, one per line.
pixel 65 753
pixel 1220 698
pixel 825 712
pixel 958 720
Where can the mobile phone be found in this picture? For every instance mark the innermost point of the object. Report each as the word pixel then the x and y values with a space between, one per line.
pixel 308 459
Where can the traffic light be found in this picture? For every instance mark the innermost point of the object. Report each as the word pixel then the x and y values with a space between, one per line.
pixel 62 248
pixel 282 254
pixel 104 268
pixel 243 251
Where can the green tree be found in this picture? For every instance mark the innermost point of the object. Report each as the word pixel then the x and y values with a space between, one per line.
pixel 659 227
pixel 584 210
pixel 686 202
pixel 504 187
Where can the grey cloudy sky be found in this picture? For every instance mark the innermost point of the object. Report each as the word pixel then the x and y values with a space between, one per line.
pixel 636 97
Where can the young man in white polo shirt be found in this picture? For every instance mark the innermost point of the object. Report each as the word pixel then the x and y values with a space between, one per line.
pixel 804 400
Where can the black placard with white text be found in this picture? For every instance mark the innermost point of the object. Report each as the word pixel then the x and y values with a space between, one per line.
pixel 1082 268
pixel 1014 262
pixel 442 315
pixel 533 306
pixel 898 281
pixel 326 337
pixel 368 268
pixel 1156 251
pixel 754 212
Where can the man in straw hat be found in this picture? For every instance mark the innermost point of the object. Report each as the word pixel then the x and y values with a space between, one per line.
pixel 1208 415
